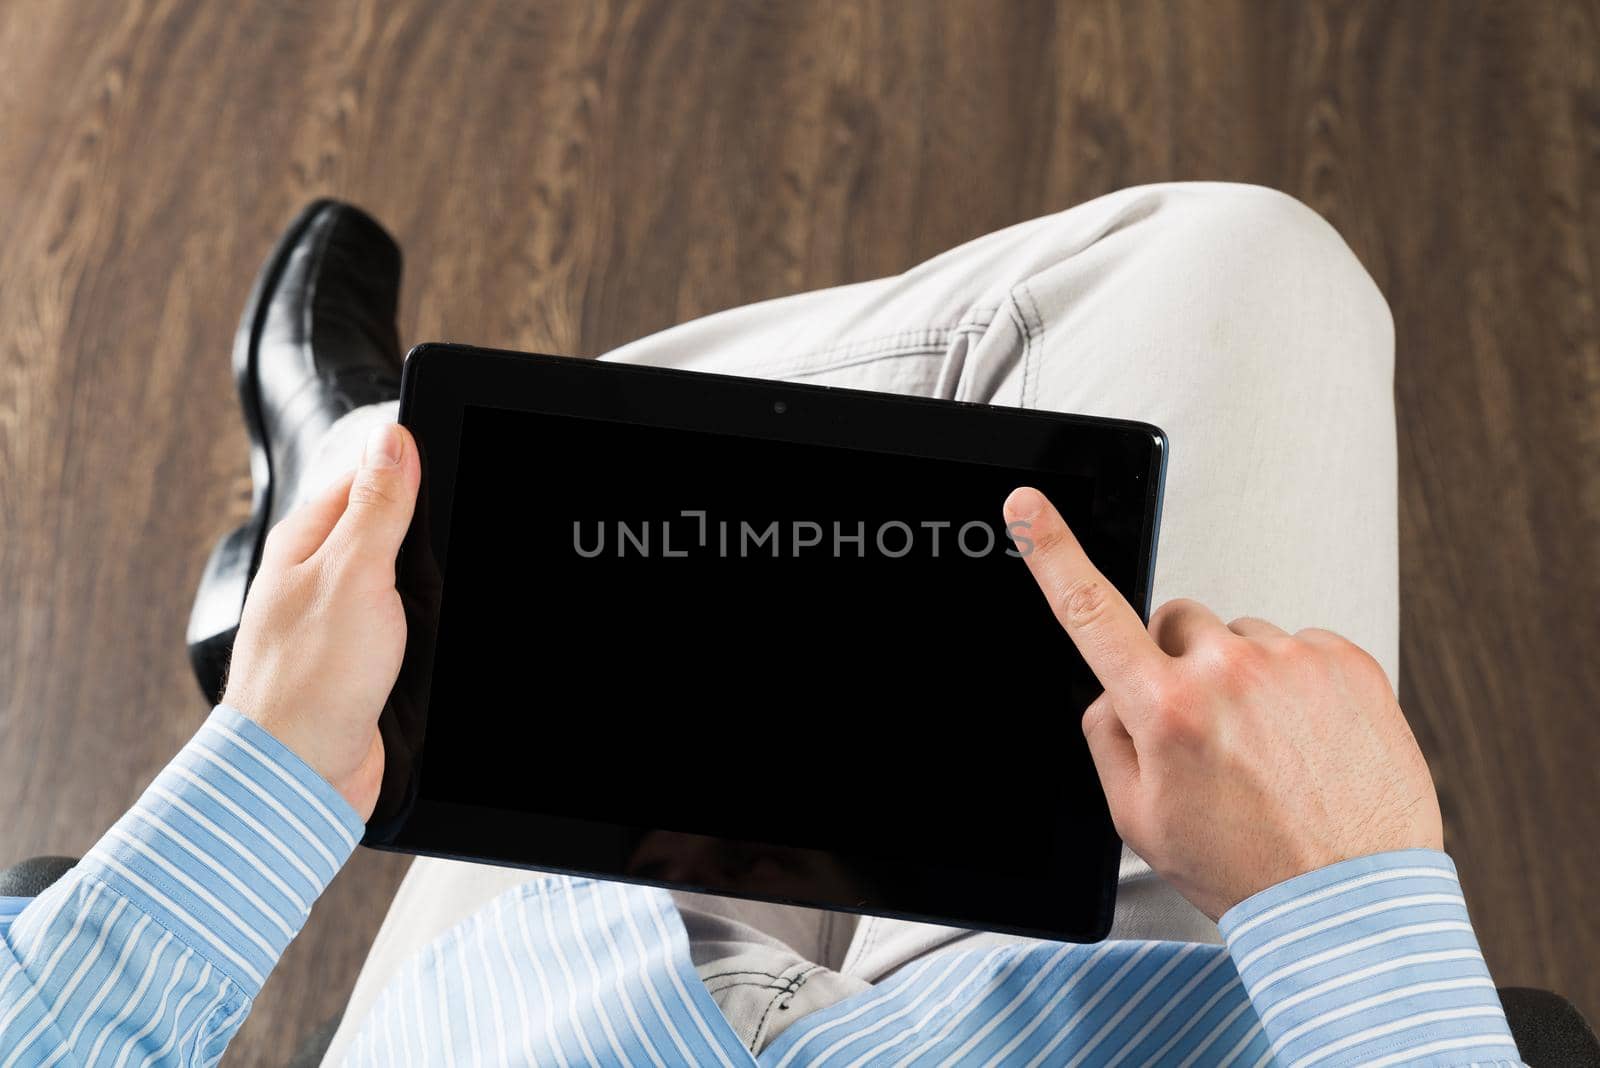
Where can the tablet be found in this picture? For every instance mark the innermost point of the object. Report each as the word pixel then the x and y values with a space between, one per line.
pixel 755 638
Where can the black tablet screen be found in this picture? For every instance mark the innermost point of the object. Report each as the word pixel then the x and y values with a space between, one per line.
pixel 768 642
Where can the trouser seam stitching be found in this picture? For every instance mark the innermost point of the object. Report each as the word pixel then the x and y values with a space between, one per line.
pixel 1032 323
pixel 912 341
pixel 797 982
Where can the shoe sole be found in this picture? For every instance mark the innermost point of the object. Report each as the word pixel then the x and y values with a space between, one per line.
pixel 214 619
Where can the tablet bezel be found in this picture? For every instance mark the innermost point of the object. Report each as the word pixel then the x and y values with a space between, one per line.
pixel 1127 460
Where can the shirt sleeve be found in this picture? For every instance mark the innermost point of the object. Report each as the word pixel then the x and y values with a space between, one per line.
pixel 1369 962
pixel 152 949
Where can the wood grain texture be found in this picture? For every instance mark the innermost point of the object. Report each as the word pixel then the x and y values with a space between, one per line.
pixel 568 176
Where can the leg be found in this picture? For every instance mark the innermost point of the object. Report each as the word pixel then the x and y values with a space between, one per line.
pixel 1232 317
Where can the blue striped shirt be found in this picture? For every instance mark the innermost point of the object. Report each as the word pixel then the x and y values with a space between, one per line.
pixel 151 950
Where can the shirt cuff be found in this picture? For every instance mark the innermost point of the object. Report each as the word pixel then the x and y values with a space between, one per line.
pixel 1370 961
pixel 229 847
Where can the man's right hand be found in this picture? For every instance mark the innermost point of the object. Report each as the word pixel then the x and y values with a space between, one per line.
pixel 1234 756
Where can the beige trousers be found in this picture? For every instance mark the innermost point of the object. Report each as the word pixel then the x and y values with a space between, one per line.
pixel 1232 317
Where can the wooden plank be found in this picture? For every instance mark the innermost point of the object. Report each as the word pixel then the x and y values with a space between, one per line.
pixel 568 176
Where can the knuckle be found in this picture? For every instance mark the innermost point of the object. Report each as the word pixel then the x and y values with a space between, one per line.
pixel 1083 601
pixel 1318 638
pixel 1298 651
pixel 1175 717
pixel 1361 665
pixel 1166 614
pixel 1046 538
pixel 1174 608
pixel 1278 662
pixel 1295 657
pixel 1237 664
pixel 374 491
pixel 1172 611
pixel 1166 625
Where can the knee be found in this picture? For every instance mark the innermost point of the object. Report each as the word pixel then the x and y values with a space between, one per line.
pixel 1272 285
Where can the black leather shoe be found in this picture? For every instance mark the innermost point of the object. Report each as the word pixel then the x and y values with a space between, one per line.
pixel 317 340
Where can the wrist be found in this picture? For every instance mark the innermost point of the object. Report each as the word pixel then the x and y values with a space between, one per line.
pixel 348 761
pixel 229 847
pixel 290 764
pixel 1366 958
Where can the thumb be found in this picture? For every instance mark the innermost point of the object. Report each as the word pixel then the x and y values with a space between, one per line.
pixel 382 497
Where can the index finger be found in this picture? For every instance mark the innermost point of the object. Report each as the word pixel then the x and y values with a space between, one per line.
pixel 1098 619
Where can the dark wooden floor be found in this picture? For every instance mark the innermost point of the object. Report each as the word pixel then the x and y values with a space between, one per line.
pixel 569 176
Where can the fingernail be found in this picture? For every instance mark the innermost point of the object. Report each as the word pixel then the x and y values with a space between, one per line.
pixel 383 446
pixel 1025 502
